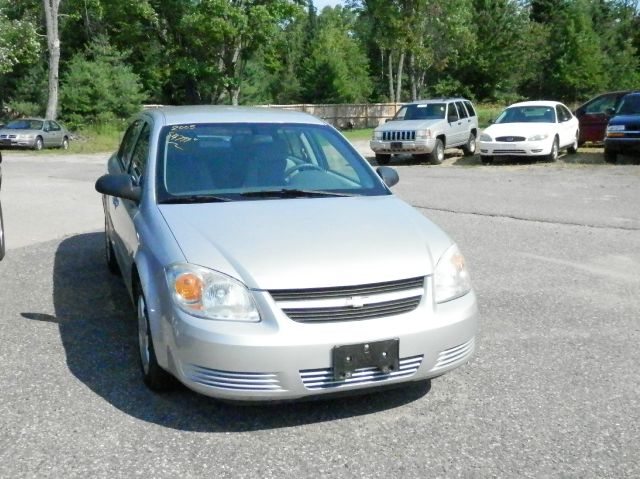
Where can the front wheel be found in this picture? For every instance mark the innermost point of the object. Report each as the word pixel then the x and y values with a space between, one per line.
pixel 553 156
pixel 65 143
pixel 153 375
pixel 383 159
pixel 38 144
pixel 437 155
pixel 470 148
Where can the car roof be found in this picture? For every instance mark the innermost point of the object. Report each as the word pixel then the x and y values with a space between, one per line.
pixel 435 100
pixel 180 115
pixel 536 103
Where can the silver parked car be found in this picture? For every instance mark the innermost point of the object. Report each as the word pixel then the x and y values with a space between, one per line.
pixel 267 260
pixel 34 133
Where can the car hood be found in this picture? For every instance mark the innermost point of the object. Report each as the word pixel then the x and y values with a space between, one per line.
pixel 624 119
pixel 519 129
pixel 408 125
pixel 309 242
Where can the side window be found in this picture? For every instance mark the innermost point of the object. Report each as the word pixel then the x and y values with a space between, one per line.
pixel 47 126
pixel 470 109
pixel 451 111
pixel 54 126
pixel 141 152
pixel 126 147
pixel 461 110
pixel 566 113
pixel 400 114
pixel 562 114
pixel 601 105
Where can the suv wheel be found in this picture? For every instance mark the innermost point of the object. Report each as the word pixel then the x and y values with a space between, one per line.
pixel 437 155
pixel 470 148
pixel 383 159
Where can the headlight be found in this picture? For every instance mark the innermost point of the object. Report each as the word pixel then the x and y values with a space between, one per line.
pixel 377 135
pixel 485 137
pixel 451 278
pixel 615 128
pixel 540 137
pixel 208 294
pixel 423 134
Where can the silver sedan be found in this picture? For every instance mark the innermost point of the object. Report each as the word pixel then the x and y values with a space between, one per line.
pixel 267 260
pixel 35 133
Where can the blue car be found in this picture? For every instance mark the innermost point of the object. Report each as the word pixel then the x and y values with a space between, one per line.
pixel 623 130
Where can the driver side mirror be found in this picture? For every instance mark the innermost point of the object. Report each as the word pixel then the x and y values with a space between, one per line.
pixel 120 186
pixel 388 175
pixel 610 111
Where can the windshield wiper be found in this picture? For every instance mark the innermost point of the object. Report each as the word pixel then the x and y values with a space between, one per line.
pixel 194 199
pixel 290 193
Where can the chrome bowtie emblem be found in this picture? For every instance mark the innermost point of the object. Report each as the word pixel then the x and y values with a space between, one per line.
pixel 355 301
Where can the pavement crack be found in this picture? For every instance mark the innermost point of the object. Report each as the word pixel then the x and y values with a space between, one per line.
pixel 531 220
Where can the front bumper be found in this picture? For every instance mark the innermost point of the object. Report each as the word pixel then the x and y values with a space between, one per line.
pixel 280 359
pixel 17 143
pixel 520 148
pixel 623 144
pixel 403 146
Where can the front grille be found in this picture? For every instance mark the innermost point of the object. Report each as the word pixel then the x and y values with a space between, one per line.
pixel 323 378
pixel 509 152
pixel 510 139
pixel 346 291
pixel 398 135
pixel 370 311
pixel 351 303
pixel 232 380
pixel 453 355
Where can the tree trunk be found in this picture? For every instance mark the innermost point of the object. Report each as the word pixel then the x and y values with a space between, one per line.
pixel 413 78
pixel 53 42
pixel 392 96
pixel 399 79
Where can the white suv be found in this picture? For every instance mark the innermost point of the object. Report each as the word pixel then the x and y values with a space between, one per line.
pixel 425 128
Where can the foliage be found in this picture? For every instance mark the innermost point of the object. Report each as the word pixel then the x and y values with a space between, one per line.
pixel 99 87
pixel 18 42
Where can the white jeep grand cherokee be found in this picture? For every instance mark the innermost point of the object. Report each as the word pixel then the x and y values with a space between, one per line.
pixel 425 128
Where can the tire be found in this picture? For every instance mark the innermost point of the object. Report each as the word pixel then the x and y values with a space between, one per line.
pixel 109 253
pixel 553 156
pixel 486 160
pixel 38 144
pixel 383 159
pixel 610 156
pixel 470 148
pixel 573 148
pixel 65 143
pixel 437 155
pixel 156 378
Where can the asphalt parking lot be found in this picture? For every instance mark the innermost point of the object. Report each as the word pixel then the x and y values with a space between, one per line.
pixel 553 391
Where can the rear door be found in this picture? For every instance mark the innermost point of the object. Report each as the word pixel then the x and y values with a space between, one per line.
pixel 457 127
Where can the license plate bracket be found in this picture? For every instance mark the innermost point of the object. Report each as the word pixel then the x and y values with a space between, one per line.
pixel 396 145
pixel 383 355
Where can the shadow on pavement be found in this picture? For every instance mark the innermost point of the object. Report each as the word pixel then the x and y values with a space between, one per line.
pixel 98 332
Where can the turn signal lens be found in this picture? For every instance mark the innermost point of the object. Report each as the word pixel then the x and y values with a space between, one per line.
pixel 189 287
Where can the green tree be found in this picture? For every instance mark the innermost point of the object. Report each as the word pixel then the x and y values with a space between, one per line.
pixel 18 42
pixel 337 69
pixel 99 87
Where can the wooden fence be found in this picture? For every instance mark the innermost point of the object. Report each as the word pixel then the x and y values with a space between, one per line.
pixel 347 116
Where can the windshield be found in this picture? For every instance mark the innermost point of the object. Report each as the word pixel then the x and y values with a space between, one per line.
pixel 242 161
pixel 527 114
pixel 429 111
pixel 630 105
pixel 25 125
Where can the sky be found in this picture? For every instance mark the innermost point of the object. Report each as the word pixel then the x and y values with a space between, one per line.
pixel 320 4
